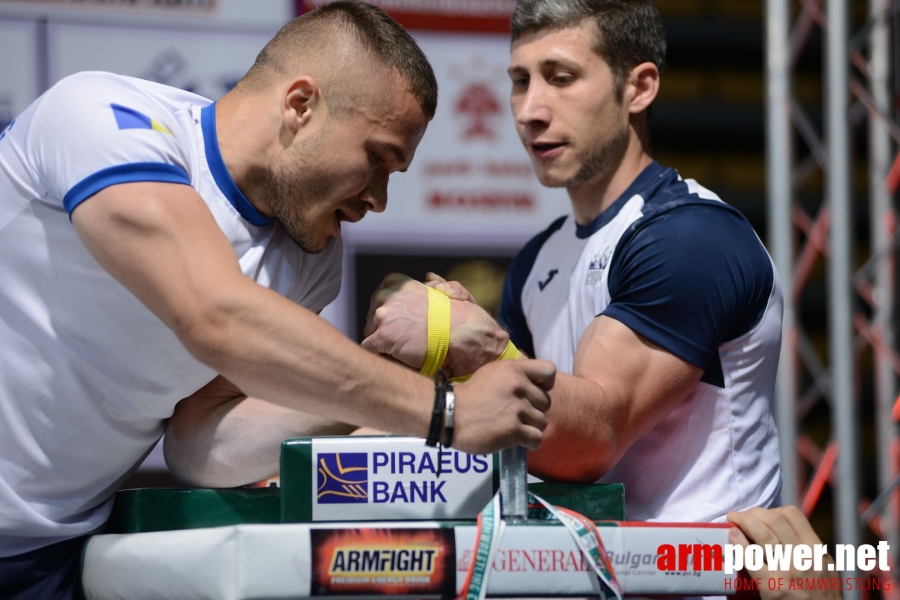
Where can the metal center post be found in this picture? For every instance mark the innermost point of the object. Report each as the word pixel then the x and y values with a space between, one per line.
pixel 514 484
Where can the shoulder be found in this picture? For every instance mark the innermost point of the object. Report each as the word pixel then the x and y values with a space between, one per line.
pixel 688 239
pixel 126 101
pixel 684 213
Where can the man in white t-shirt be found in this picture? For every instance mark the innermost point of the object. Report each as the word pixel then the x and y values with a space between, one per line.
pixel 164 254
pixel 656 300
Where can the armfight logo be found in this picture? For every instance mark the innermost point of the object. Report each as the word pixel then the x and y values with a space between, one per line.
pixel 366 562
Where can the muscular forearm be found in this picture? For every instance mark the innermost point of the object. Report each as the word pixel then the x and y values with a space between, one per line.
pixel 622 387
pixel 580 443
pixel 236 442
pixel 273 349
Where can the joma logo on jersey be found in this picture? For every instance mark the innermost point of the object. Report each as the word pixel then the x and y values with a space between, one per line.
pixel 598 266
pixel 546 282
pixel 343 478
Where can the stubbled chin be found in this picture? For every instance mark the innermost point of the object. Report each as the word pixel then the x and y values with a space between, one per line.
pixel 550 179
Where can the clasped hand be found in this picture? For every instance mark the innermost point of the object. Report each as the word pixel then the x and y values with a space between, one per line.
pixel 397 324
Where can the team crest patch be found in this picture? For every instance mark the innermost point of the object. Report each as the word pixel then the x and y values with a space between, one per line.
pixel 598 266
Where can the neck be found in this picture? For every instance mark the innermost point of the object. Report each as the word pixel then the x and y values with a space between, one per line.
pixel 243 143
pixel 592 197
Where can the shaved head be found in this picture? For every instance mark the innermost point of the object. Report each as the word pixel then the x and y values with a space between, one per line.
pixel 340 44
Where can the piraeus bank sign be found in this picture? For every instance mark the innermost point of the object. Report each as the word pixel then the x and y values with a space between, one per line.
pixel 397 478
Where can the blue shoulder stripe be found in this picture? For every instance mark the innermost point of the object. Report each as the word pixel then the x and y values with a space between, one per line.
pixel 127 173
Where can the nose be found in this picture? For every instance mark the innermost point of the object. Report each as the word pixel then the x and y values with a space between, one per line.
pixel 530 107
pixel 375 195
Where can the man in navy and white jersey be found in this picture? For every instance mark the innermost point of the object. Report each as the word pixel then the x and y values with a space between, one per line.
pixel 656 300
pixel 164 256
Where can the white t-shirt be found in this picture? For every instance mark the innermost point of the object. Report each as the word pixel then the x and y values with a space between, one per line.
pixel 683 269
pixel 88 375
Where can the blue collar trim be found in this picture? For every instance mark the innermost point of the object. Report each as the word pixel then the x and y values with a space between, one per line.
pixel 647 181
pixel 220 171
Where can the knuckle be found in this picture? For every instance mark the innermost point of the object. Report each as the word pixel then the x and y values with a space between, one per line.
pixel 791 512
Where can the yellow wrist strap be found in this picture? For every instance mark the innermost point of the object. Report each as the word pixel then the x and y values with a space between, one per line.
pixel 511 352
pixel 438 332
pixel 439 336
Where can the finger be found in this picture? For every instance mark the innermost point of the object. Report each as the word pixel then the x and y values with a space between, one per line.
pixel 534 418
pixel 530 437
pixel 392 279
pixel 462 292
pixel 373 320
pixel 434 277
pixel 536 396
pixel 376 301
pixel 541 372
pixel 375 293
pixel 776 521
pixel 801 526
pixel 756 530
pixel 373 344
pixel 454 293
pixel 737 537
pixel 370 322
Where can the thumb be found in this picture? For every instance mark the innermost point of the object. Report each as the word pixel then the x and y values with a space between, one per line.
pixel 737 537
pixel 373 344
pixel 429 277
pixel 541 372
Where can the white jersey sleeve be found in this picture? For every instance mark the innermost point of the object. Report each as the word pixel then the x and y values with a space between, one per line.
pixel 91 131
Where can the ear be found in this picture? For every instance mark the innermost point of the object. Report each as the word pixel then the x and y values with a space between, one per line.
pixel 641 87
pixel 301 101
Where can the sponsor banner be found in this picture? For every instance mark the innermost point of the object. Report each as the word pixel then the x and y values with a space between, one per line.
pixel 293 561
pixel 270 14
pixel 547 558
pixel 204 62
pixel 18 78
pixel 394 478
pixel 366 562
pixel 471 176
pixel 441 15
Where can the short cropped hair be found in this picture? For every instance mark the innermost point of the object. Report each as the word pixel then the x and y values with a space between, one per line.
pixel 629 32
pixel 373 30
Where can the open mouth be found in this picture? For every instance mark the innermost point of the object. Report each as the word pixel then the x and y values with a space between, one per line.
pixel 349 217
pixel 548 150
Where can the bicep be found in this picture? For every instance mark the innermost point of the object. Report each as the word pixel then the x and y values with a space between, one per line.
pixel 642 382
pixel 161 242
pixel 192 411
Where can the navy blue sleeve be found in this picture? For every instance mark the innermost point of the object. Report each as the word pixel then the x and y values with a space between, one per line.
pixel 690 279
pixel 512 316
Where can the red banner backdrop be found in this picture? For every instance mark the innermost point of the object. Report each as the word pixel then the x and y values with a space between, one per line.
pixel 440 15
